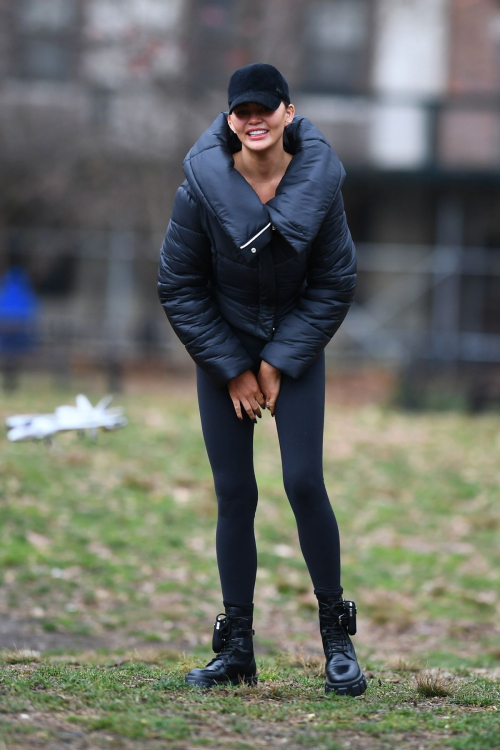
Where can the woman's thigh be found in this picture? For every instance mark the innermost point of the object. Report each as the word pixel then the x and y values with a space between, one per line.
pixel 229 441
pixel 300 414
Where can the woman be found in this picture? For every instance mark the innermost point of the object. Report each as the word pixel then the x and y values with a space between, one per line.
pixel 257 273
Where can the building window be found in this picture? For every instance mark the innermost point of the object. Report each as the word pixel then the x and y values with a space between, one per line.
pixel 336 46
pixel 45 38
pixel 221 40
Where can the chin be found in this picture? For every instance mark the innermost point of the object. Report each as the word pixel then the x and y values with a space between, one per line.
pixel 259 145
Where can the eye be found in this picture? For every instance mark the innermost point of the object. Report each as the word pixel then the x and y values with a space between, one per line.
pixel 245 111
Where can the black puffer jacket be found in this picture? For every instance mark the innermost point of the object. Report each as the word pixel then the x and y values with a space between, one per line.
pixel 283 271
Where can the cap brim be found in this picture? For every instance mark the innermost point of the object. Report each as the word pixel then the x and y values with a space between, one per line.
pixel 271 101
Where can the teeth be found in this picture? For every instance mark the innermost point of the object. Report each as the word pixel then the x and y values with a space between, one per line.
pixel 257 132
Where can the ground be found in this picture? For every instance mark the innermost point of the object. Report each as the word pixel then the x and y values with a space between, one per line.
pixel 109 585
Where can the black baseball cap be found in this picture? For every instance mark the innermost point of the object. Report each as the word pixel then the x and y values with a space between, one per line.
pixel 260 83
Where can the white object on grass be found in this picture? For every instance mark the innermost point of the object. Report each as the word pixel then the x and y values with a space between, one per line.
pixel 81 417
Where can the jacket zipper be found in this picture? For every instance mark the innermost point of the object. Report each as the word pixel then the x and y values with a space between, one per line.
pixel 242 247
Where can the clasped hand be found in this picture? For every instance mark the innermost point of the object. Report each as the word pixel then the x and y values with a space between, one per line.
pixel 253 393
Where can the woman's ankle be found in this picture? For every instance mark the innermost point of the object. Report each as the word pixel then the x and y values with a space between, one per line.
pixel 244 610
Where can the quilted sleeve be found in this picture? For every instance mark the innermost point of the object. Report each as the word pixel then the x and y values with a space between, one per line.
pixel 183 289
pixel 331 279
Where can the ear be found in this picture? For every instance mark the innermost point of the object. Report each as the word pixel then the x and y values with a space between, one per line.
pixel 229 123
pixel 290 114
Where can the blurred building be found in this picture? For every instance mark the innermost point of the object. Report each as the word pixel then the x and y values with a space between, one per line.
pixel 101 99
pixel 92 107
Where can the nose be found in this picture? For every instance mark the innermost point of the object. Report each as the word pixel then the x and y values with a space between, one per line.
pixel 255 117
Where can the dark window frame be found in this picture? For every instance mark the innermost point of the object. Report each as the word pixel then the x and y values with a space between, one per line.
pixel 361 83
pixel 66 41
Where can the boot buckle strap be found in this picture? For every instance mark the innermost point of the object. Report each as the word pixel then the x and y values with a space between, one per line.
pixel 243 633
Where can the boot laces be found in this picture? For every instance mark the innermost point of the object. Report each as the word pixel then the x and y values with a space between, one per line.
pixel 226 652
pixel 333 629
pixel 335 636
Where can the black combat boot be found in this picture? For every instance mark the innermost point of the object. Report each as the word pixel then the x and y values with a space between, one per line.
pixel 232 642
pixel 337 619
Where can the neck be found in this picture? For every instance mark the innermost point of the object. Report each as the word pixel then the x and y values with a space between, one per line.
pixel 263 166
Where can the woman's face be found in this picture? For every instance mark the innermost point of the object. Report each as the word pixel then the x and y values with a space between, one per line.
pixel 257 127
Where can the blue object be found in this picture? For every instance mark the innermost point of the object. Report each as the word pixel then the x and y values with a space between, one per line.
pixel 18 312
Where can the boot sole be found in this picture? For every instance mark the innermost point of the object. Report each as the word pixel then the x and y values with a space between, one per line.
pixel 354 687
pixel 210 683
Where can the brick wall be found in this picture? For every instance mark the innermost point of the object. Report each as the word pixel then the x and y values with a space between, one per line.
pixel 474 66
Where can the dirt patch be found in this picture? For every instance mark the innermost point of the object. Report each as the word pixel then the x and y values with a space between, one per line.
pixel 49 731
pixel 29 634
pixel 387 644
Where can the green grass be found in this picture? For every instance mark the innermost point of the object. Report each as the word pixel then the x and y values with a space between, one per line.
pixel 148 701
pixel 108 569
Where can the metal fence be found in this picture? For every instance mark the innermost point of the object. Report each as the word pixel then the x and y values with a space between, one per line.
pixel 98 298
pixel 435 302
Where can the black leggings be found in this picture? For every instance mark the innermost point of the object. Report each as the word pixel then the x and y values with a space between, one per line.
pixel 229 442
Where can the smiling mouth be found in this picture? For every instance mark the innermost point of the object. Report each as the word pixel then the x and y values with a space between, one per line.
pixel 257 132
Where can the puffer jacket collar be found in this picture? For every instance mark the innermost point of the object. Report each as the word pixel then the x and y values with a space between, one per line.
pixel 302 199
